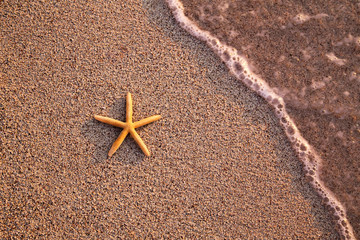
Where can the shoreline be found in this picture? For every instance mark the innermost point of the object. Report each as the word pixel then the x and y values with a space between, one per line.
pixel 239 67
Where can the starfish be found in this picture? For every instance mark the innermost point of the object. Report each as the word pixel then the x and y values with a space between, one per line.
pixel 128 126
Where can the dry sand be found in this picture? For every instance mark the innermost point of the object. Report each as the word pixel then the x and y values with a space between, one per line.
pixel 221 166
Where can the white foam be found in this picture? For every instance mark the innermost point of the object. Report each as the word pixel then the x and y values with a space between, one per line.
pixel 306 54
pixel 239 67
pixel 301 17
pixel 331 56
pixel 318 85
pixel 357 41
pixel 348 40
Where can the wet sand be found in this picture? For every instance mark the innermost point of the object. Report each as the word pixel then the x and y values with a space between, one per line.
pixel 221 165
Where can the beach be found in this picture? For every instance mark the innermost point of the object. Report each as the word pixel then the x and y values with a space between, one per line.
pixel 221 165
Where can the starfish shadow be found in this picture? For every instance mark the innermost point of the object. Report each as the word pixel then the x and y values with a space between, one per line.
pixel 102 136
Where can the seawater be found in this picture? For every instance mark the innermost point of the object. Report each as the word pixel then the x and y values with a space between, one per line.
pixel 304 60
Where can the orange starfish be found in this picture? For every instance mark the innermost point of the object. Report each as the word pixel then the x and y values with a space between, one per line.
pixel 128 126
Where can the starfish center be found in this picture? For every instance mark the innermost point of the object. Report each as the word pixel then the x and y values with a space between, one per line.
pixel 128 127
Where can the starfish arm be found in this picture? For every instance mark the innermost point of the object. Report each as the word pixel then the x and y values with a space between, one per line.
pixel 129 108
pixel 139 142
pixel 146 121
pixel 118 142
pixel 110 121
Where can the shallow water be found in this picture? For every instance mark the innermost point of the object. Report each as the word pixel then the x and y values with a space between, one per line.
pixel 305 56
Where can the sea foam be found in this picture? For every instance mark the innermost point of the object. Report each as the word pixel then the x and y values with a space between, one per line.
pixel 240 68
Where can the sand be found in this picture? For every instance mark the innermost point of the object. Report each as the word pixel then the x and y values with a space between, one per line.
pixel 221 165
